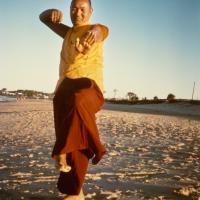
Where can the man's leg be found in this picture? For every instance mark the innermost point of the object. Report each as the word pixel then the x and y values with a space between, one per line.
pixel 71 183
pixel 75 197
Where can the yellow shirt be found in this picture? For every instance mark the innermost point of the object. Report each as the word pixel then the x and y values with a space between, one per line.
pixel 76 65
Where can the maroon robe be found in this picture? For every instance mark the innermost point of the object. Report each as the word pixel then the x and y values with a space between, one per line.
pixel 75 103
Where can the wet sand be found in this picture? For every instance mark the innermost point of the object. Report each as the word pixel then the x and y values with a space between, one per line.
pixel 150 156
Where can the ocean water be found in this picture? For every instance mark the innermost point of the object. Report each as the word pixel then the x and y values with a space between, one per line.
pixel 6 98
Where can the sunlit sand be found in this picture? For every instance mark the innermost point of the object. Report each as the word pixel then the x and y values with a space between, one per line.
pixel 148 156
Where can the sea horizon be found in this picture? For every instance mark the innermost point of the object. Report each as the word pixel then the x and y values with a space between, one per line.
pixel 7 98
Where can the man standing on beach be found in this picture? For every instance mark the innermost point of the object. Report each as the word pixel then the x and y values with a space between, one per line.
pixel 78 94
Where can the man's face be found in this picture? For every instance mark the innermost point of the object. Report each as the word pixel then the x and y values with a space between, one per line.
pixel 80 12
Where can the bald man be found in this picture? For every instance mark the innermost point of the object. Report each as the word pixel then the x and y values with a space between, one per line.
pixel 78 94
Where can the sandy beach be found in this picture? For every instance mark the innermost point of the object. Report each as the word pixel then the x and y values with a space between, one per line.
pixel 153 152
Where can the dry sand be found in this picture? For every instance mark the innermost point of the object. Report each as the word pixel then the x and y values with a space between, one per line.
pixel 149 156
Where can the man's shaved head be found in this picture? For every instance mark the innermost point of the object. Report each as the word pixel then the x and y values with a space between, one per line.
pixel 89 1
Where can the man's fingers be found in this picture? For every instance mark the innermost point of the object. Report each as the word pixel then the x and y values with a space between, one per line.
pixel 60 17
pixel 52 16
pixel 77 42
pixel 88 40
pixel 88 46
pixel 56 16
pixel 91 41
pixel 91 38
pixel 79 47
pixel 87 35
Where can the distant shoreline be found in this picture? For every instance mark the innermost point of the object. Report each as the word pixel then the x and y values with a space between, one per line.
pixel 185 110
pixel 175 109
pixel 7 98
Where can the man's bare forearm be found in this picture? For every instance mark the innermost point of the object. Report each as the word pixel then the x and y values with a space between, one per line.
pixel 52 18
pixel 60 29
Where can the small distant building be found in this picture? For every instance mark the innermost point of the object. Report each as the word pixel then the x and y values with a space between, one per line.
pixel 45 97
pixel 11 93
pixel 20 96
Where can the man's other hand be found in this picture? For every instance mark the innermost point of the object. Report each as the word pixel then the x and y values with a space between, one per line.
pixel 51 15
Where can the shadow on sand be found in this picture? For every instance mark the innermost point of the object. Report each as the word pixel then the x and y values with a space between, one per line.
pixel 14 195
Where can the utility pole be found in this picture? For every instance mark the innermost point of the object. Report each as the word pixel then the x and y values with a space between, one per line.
pixel 115 92
pixel 193 91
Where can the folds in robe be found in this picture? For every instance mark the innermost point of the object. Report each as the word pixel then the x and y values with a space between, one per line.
pixel 75 104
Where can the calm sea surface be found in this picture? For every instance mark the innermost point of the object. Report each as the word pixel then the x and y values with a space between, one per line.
pixel 6 98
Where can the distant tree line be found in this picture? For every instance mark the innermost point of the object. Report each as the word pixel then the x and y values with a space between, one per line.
pixel 132 98
pixel 26 93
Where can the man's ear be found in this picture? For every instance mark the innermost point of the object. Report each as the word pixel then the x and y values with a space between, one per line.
pixel 91 10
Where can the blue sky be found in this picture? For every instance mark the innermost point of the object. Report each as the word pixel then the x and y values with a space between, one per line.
pixel 152 50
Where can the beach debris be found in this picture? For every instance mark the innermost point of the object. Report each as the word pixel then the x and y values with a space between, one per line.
pixel 176 147
pixel 130 149
pixel 90 196
pixel 31 155
pixel 185 191
pixel 190 159
pixel 180 144
pixel 176 177
pixel 94 177
pixel 3 167
pixel 43 179
pixel 15 155
pixel 168 159
pixel 113 153
pixel 22 174
pixel 161 197
pixel 112 195
pixel 142 149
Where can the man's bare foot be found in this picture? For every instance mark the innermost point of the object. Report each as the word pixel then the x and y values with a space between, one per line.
pixel 75 197
pixel 65 168
pixel 62 163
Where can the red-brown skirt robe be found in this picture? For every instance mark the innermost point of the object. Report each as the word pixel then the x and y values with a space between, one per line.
pixel 75 103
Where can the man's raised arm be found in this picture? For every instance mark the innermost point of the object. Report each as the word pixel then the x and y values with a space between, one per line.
pixel 52 18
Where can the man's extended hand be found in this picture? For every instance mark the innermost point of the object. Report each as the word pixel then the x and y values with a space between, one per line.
pixel 84 44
